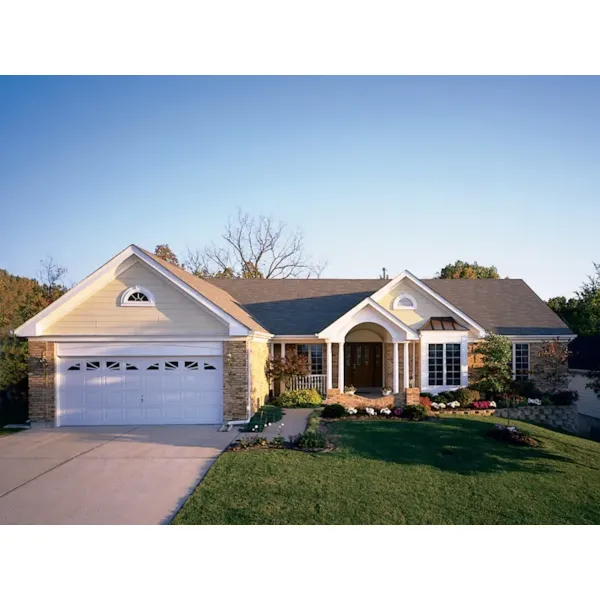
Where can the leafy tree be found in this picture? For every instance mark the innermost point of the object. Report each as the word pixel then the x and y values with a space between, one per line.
pixel 594 382
pixel 582 312
pixel 464 270
pixel 164 251
pixel 495 374
pixel 551 370
pixel 254 248
pixel 287 367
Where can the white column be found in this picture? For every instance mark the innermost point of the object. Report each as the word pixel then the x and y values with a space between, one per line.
pixel 282 350
pixel 341 367
pixel 396 384
pixel 271 349
pixel 414 368
pixel 329 369
pixel 405 366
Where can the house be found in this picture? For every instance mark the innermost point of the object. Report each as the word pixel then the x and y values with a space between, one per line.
pixel 141 341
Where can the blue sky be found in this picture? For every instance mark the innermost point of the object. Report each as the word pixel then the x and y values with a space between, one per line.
pixel 396 172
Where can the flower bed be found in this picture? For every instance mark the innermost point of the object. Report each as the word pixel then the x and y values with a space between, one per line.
pixel 511 435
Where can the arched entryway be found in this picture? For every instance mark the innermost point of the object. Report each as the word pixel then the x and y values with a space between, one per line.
pixel 364 364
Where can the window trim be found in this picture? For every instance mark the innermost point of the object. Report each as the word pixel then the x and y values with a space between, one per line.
pixel 397 306
pixel 137 288
pixel 514 360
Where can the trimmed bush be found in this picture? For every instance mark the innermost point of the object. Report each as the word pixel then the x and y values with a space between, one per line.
pixel 333 411
pixel 466 397
pixel 564 398
pixel 298 399
pixel 426 395
pixel 311 439
pixel 415 412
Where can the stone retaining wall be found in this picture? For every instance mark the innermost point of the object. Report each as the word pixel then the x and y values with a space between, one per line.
pixel 556 417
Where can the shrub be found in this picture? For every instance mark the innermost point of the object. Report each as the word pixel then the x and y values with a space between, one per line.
pixel 333 411
pixel 262 417
pixel 311 439
pixel 397 412
pixel 415 412
pixel 425 401
pixel 564 398
pixel 426 395
pixel 526 388
pixel 298 399
pixel 444 397
pixel 510 400
pixel 465 396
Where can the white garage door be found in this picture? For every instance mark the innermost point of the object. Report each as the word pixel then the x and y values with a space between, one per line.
pixel 140 391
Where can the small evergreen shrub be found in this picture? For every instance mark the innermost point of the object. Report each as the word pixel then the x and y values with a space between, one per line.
pixel 466 397
pixel 311 440
pixel 415 412
pixel 333 411
pixel 426 395
pixel 298 399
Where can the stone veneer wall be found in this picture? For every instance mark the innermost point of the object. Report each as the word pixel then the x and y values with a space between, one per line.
pixel 235 381
pixel 42 398
pixel 259 384
pixel 557 417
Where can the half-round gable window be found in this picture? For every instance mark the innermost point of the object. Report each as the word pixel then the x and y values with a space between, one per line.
pixel 137 296
pixel 404 302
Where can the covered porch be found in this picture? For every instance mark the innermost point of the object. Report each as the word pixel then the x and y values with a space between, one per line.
pixel 370 351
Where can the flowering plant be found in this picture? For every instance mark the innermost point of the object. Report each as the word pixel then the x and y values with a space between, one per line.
pixel 492 404
pixel 370 411
pixel 351 411
pixel 435 406
pixel 385 411
pixel 535 401
pixel 442 405
pixel 482 404
pixel 397 412
pixel 454 404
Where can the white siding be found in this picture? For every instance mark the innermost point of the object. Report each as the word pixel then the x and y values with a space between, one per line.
pixel 174 311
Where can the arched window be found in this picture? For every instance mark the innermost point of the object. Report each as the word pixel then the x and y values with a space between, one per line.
pixel 404 302
pixel 137 296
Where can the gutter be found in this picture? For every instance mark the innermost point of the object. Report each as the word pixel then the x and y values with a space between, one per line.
pixel 230 424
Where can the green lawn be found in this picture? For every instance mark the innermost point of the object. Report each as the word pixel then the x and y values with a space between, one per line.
pixel 389 472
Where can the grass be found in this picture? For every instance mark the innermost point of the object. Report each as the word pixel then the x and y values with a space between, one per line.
pixel 8 431
pixel 264 415
pixel 390 472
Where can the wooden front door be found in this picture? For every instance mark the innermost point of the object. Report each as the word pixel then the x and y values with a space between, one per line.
pixel 363 364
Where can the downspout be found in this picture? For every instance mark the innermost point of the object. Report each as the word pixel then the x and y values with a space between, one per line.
pixel 230 424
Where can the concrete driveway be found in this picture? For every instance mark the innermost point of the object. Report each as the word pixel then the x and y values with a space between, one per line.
pixel 103 475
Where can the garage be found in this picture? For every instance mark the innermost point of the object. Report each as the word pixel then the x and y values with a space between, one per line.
pixel 147 390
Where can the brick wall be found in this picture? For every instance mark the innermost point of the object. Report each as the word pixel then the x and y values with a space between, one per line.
pixel 259 384
pixel 42 399
pixel 235 381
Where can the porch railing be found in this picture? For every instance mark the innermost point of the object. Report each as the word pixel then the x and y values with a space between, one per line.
pixel 308 382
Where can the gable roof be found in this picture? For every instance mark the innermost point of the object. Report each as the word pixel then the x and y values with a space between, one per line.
pixel 217 295
pixel 307 306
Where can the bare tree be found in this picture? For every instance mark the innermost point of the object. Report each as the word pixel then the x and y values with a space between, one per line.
pixel 254 248
pixel 51 277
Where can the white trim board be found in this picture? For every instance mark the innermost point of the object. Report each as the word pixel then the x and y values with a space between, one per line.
pixel 388 287
pixel 72 349
pixel 36 326
pixel 337 331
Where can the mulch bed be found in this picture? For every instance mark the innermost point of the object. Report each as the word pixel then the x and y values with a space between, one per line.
pixel 511 435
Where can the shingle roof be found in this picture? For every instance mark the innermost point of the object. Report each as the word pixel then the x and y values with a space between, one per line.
pixel 217 295
pixel 306 306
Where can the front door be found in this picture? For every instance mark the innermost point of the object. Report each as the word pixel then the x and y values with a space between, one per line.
pixel 363 364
